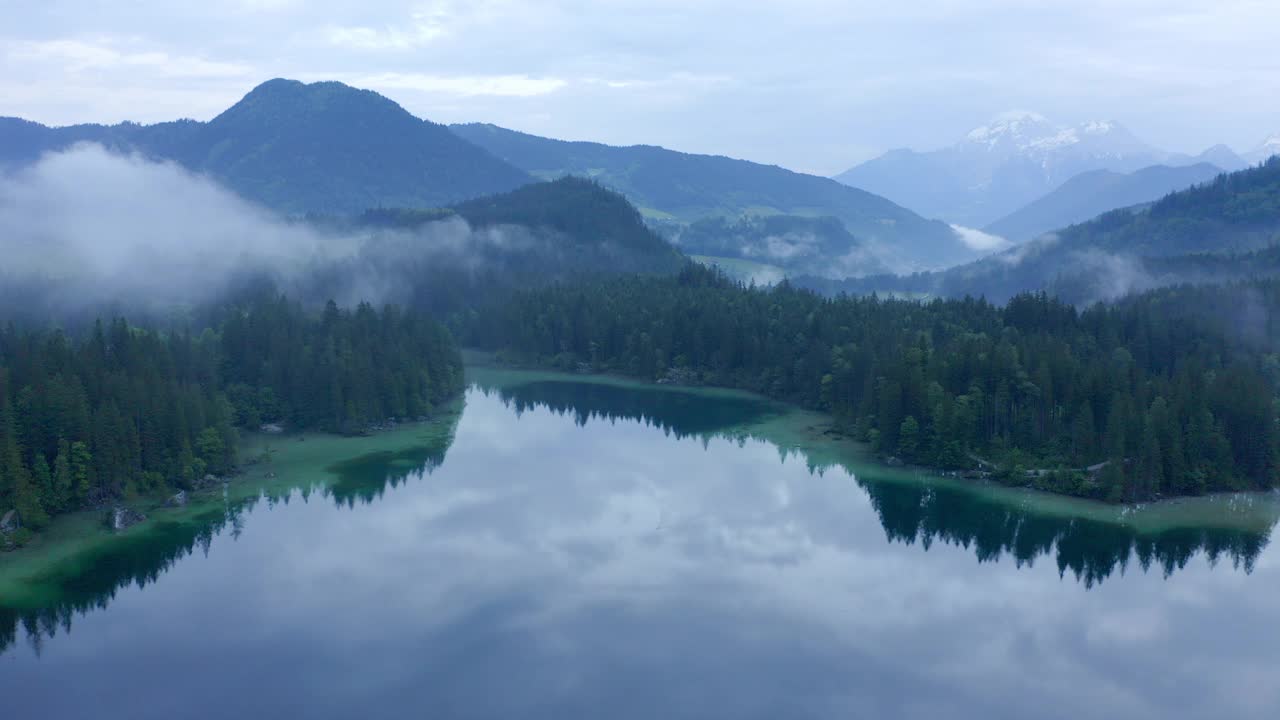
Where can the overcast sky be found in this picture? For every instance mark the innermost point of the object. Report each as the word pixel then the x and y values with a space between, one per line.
pixel 814 85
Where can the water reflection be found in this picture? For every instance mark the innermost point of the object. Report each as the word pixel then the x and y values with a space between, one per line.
pixel 367 477
pixel 1090 550
pixel 914 511
pixel 91 579
pixel 749 521
pixel 676 412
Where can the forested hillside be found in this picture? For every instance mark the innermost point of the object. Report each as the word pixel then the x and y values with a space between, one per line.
pixel 1160 395
pixel 590 217
pixel 125 410
pixel 1091 194
pixel 446 261
pixel 817 246
pixel 1123 251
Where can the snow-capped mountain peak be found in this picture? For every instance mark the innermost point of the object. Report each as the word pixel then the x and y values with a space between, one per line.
pixel 1015 127
pixel 1001 166
pixel 1269 147
pixel 1029 133
pixel 1098 127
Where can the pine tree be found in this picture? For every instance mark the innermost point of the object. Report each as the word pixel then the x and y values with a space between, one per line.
pixel 63 480
pixel 46 493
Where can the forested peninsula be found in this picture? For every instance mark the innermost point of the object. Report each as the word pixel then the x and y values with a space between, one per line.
pixel 1161 394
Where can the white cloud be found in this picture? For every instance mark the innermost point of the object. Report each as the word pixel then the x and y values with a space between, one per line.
pixel 366 38
pixel 424 24
pixel 79 56
pixel 978 240
pixel 462 85
pixel 814 84
pixel 268 5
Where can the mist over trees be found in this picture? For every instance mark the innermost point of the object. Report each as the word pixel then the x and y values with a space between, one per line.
pixel 230 326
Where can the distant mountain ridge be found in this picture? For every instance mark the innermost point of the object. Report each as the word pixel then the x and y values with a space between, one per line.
pixel 298 148
pixel 1012 161
pixel 1228 227
pixel 1093 193
pixel 680 187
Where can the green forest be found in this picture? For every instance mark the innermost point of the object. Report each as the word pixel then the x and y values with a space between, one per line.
pixel 1171 392
pixel 1166 393
pixel 128 410
pixel 1208 233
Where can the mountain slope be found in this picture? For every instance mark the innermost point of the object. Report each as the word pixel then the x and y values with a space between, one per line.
pixel 589 217
pixel 795 245
pixel 1219 156
pixel 670 185
pixel 451 259
pixel 297 148
pixel 1090 194
pixel 999 167
pixel 1223 228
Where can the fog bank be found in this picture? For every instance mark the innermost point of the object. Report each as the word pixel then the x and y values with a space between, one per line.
pixel 88 228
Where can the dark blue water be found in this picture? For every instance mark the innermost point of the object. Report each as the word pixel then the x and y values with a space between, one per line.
pixel 596 551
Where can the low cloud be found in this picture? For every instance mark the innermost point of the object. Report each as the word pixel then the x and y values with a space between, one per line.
pixel 89 228
pixel 1028 250
pixel 978 240
pixel 125 227
pixel 1110 276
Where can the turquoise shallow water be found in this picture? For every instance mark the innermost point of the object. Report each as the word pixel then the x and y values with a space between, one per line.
pixel 595 548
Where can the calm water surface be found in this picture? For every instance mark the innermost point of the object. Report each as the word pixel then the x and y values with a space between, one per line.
pixel 600 550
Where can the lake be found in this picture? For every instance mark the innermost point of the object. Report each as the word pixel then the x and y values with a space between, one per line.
pixel 567 547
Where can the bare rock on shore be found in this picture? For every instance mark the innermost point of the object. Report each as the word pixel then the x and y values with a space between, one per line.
pixel 10 522
pixel 208 481
pixel 120 517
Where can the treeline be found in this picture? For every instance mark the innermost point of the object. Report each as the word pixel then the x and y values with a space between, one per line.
pixel 127 410
pixel 339 372
pixel 1172 392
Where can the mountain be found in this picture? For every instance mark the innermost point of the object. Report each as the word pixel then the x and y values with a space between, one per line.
pixel 795 245
pixel 679 187
pixel 590 219
pixel 450 259
pixel 298 148
pixel 1090 194
pixel 1264 151
pixel 1220 156
pixel 1225 228
pixel 1002 166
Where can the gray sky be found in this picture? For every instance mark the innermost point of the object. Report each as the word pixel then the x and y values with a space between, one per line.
pixel 814 85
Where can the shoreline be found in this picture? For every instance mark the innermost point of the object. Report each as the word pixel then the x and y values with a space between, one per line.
pixel 298 460
pixel 303 460
pixel 805 431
